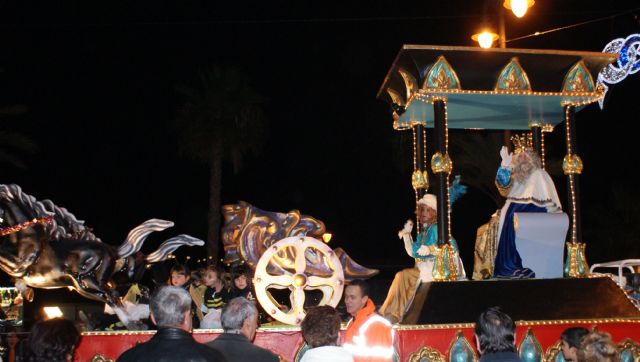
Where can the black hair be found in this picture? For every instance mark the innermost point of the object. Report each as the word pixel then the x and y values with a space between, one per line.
pixel 573 336
pixel 495 331
pixel 53 340
pixel 363 284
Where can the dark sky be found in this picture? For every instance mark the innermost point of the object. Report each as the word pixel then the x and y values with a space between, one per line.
pixel 99 80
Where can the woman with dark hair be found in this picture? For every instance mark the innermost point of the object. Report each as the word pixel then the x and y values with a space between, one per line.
pixel 321 331
pixel 54 340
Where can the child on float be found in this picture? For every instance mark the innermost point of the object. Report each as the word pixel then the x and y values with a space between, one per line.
pixel 181 277
pixel 216 296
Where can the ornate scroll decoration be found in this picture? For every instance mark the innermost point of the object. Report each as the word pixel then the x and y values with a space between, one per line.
pixel 576 264
pixel 249 231
pixel 513 77
pixel 441 76
pixel 530 349
pixel 554 353
pixel 578 79
pixel 461 350
pixel 395 97
pixel 629 350
pixel 426 354
pixel 410 82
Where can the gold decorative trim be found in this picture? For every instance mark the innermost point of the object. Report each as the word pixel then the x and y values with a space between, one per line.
pixel 576 260
pixel 429 353
pixel 514 77
pixel 420 180
pixel 520 323
pixel 534 340
pixel 459 335
pixel 579 83
pixel 426 92
pixel 572 164
pixel 552 352
pixel 410 82
pixel 632 346
pixel 441 78
pixel 441 163
pixel 100 358
pixel 395 97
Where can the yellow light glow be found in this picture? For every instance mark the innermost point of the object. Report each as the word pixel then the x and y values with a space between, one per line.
pixel 326 237
pixel 485 38
pixel 52 312
pixel 518 7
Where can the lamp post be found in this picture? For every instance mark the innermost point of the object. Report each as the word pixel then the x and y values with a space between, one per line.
pixel 486 37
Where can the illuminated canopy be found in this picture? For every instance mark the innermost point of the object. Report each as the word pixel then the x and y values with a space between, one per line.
pixel 490 88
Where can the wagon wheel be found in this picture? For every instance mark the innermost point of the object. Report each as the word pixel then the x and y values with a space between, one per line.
pixel 296 279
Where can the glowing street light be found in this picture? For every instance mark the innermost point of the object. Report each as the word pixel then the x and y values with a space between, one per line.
pixel 485 38
pixel 519 7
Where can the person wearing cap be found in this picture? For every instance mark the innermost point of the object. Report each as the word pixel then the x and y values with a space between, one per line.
pixel 406 282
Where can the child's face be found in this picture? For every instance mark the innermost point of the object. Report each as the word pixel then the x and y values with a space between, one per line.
pixel 178 279
pixel 210 278
pixel 240 282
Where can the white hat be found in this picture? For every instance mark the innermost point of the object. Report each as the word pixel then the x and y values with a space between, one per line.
pixel 429 200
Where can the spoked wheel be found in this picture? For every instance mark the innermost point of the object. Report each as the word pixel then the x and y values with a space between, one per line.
pixel 289 256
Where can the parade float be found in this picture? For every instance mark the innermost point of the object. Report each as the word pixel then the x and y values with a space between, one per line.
pixel 536 91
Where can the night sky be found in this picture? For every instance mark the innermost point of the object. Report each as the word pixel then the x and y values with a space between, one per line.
pixel 99 80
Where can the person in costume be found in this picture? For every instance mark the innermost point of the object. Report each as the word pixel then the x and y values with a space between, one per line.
pixel 528 188
pixel 406 282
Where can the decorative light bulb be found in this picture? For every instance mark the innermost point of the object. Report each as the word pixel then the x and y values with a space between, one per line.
pixel 485 39
pixel 518 7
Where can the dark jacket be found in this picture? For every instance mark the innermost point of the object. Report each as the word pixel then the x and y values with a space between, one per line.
pixel 500 357
pixel 236 347
pixel 171 344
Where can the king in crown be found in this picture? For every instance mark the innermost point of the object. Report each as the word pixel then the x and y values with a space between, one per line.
pixel 527 188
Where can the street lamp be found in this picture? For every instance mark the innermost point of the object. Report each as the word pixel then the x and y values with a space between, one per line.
pixel 519 7
pixel 485 38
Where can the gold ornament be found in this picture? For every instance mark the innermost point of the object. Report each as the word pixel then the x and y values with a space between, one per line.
pixel 444 266
pixel 420 180
pixel 440 163
pixel 572 164
pixel 576 265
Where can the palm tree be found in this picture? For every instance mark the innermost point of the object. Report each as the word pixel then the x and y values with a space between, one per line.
pixel 221 120
pixel 14 145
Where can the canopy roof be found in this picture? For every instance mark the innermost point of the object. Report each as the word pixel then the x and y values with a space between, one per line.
pixel 491 88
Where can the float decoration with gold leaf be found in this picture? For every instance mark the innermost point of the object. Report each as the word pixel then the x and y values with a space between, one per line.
pixel 285 252
pixel 294 276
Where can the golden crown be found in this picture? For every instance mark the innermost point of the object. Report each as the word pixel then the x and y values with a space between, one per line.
pixel 523 142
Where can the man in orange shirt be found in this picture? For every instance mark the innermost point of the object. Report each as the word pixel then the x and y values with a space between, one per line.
pixel 369 337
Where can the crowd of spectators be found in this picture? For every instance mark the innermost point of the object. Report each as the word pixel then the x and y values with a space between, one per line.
pixel 367 338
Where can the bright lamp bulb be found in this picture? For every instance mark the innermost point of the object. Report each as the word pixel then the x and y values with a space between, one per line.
pixel 485 39
pixel 519 7
pixel 52 312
